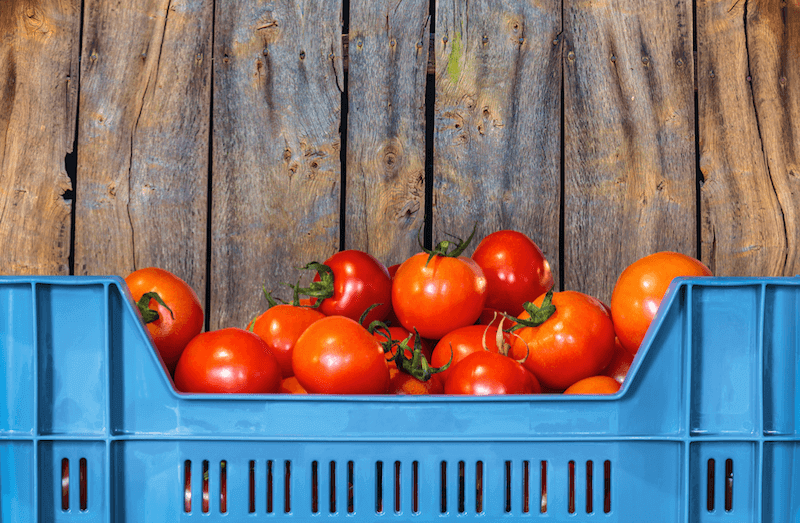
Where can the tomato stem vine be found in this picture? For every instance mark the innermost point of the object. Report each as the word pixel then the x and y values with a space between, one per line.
pixel 538 315
pixel 150 315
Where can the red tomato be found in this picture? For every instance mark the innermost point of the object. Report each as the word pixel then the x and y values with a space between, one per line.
pixel 290 385
pixel 402 383
pixel 439 295
pixel 400 334
pixel 576 342
pixel 463 342
pixel 171 331
pixel 594 385
pixel 280 326
pixel 359 281
pixel 516 270
pixel 484 373
pixel 620 363
pixel 640 288
pixel 227 360
pixel 336 355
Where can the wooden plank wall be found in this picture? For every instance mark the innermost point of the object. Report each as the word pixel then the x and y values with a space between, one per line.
pixel 232 142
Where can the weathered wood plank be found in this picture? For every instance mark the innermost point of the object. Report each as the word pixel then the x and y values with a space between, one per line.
pixel 749 100
pixel 629 154
pixel 497 138
pixel 38 95
pixel 385 188
pixel 143 138
pixel 276 148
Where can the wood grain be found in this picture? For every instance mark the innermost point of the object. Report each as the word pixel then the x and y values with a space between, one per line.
pixel 143 138
pixel 749 101
pixel 276 148
pixel 38 95
pixel 385 187
pixel 497 137
pixel 629 125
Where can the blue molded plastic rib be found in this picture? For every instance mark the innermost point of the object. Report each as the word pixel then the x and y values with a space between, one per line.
pixel 706 428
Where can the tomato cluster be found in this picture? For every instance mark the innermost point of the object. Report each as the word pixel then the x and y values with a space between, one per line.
pixel 437 323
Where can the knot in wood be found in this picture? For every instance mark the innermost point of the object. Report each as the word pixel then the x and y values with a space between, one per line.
pixel 646 61
pixel 390 156
pixel 485 39
pixel 783 80
pixel 393 42
pixel 613 58
pixel 302 55
pixel 571 56
pixel 679 62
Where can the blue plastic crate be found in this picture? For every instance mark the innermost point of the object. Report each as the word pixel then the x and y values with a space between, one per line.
pixel 705 429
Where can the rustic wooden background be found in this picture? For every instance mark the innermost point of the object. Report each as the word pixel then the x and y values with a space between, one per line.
pixel 233 141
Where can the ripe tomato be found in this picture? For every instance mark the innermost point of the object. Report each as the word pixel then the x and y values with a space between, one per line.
pixel 640 288
pixel 399 334
pixel 438 295
pixel 280 326
pixel 336 355
pixel 349 283
pixel 483 373
pixel 290 385
pixel 463 342
pixel 173 327
pixel 594 385
pixel 402 383
pixel 227 360
pixel 575 342
pixel 620 363
pixel 516 270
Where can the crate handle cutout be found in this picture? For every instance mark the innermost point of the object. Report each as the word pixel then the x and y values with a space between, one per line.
pixel 252 484
pixel 607 486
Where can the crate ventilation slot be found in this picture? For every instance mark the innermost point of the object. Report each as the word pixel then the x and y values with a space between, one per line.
pixel 82 485
pixel 325 497
pixel 711 484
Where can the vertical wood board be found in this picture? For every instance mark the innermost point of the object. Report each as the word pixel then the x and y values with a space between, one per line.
pixel 629 126
pixel 744 227
pixel 276 148
pixel 38 94
pixel 143 139
pixel 385 189
pixel 497 138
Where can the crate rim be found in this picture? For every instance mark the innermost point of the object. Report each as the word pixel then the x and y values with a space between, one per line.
pixel 672 292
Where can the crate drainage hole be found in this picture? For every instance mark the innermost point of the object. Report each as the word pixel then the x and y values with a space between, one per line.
pixel 82 485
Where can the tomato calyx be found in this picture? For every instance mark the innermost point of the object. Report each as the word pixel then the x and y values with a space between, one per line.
pixel 149 315
pixel 322 289
pixel 417 366
pixel 538 315
pixel 273 301
pixel 443 247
